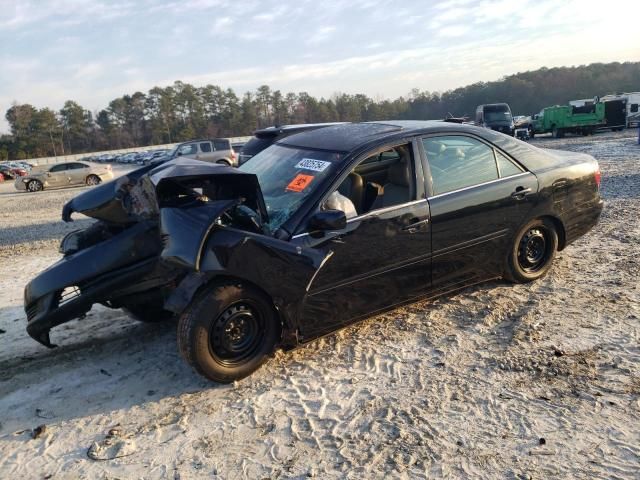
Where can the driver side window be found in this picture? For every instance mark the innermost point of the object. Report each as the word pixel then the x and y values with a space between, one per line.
pixel 382 179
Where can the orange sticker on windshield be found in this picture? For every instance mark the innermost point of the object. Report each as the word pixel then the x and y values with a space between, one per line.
pixel 299 183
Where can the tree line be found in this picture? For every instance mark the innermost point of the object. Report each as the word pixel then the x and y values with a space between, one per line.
pixel 182 111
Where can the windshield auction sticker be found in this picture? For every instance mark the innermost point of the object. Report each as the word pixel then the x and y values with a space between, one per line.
pixel 311 164
pixel 299 183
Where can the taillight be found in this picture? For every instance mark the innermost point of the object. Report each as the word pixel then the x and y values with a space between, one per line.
pixel 233 155
pixel 597 176
pixel 108 166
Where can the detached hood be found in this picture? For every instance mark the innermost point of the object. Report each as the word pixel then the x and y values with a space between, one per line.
pixel 141 194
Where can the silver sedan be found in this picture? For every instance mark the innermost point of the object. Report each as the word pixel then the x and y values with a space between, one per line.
pixel 64 175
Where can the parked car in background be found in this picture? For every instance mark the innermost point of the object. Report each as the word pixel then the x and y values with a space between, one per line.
pixel 11 172
pixel 217 150
pixel 64 175
pixel 266 137
pixel 20 164
pixel 496 116
pixel 262 257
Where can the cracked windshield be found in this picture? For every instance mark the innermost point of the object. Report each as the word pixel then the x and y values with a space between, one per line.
pixel 287 176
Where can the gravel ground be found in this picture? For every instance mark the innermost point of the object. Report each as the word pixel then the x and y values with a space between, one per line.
pixel 31 221
pixel 496 381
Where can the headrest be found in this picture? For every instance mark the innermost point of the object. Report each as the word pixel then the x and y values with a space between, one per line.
pixel 399 174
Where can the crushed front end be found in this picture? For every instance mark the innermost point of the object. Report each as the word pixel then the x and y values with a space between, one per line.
pixel 128 256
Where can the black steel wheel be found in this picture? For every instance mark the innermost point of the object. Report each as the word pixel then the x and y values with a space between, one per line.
pixel 532 252
pixel 228 331
pixel 234 336
pixel 34 186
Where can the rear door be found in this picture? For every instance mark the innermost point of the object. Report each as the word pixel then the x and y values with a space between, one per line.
pixel 205 151
pixel 77 173
pixel 479 198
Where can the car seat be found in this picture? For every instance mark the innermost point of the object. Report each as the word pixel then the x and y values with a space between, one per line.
pixel 397 190
pixel 352 187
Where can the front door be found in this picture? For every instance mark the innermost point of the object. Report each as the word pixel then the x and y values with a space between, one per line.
pixel 57 175
pixel 480 198
pixel 382 257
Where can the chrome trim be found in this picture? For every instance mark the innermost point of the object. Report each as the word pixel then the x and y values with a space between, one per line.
pixel 329 255
pixel 372 213
pixel 379 211
pixel 478 185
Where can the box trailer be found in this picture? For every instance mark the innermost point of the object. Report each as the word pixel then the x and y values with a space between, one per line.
pixel 632 107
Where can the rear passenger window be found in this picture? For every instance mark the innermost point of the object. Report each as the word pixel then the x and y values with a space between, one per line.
pixel 506 166
pixel 220 144
pixel 205 147
pixel 457 162
pixel 59 168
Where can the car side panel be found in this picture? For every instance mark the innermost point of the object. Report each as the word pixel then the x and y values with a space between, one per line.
pixel 571 195
pixel 472 229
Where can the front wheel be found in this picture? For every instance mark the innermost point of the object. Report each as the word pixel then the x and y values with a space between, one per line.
pixel 227 332
pixel 34 186
pixel 532 252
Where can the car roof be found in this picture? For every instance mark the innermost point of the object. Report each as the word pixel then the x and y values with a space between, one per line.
pixel 350 136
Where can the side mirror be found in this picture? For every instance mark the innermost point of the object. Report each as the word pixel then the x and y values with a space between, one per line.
pixel 326 220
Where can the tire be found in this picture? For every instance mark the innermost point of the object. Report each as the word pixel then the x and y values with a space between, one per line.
pixel 227 332
pixel 532 253
pixel 149 313
pixel 34 186
pixel 93 180
pixel 532 133
pixel 223 162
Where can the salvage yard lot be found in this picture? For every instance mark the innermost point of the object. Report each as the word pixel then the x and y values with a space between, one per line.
pixel 525 381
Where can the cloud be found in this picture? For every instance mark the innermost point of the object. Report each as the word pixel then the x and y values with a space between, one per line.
pixel 321 35
pixel 16 14
pixel 222 25
pixel 89 71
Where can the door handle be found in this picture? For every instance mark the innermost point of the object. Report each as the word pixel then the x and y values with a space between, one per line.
pixel 520 193
pixel 415 226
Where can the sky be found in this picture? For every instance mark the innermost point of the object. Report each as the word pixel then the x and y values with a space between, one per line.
pixel 93 51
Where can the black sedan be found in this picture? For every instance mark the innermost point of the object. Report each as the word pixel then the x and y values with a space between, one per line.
pixel 317 231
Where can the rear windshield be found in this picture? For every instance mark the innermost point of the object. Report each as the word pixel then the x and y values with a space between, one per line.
pixel 287 176
pixel 221 144
pixel 256 145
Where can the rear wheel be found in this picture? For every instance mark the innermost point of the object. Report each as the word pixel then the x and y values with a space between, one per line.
pixel 223 162
pixel 532 252
pixel 557 132
pixel 227 332
pixel 93 180
pixel 34 186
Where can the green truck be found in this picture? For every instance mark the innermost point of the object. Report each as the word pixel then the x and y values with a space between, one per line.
pixel 563 119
